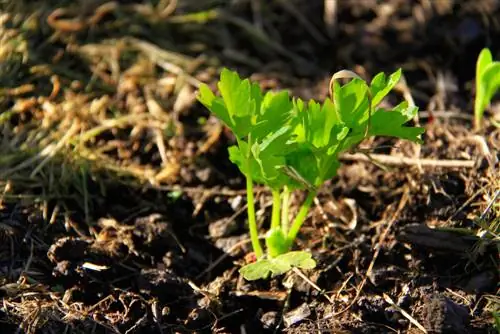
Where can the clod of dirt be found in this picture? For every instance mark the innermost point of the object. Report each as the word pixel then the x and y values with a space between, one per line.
pixel 164 284
pixel 384 275
pixel 227 244
pixel 150 235
pixel 222 228
pixel 480 283
pixel 64 268
pixel 67 248
pixel 371 308
pixel 442 315
pixel 198 318
pixel 425 237
pixel 153 232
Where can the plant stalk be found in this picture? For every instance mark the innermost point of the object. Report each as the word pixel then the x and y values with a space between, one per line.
pixel 284 210
pixel 275 217
pixel 252 222
pixel 299 219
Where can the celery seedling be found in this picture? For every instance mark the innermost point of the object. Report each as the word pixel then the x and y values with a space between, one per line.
pixel 288 144
pixel 487 83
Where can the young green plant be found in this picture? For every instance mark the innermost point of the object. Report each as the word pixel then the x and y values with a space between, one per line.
pixel 487 84
pixel 288 144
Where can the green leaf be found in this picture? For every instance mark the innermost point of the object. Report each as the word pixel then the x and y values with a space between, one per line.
pixel 237 94
pixel 380 87
pixel 242 101
pixel 270 155
pixel 276 143
pixel 484 59
pixel 303 168
pixel 239 103
pixel 278 265
pixel 487 83
pixel 351 102
pixel 491 80
pixel 321 122
pixel 215 105
pixel 275 112
pixel 256 270
pixel 299 259
pixel 237 156
pixel 391 123
pixel 329 168
pixel 266 159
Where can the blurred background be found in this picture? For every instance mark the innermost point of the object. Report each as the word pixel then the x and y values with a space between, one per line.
pixel 76 65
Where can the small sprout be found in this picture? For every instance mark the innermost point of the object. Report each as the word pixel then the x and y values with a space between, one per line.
pixel 288 144
pixel 175 194
pixel 487 84
pixel 202 120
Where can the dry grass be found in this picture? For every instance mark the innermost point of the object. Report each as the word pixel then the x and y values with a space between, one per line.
pixel 92 97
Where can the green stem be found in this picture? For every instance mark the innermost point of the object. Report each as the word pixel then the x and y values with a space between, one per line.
pixel 252 223
pixel 275 217
pixel 299 219
pixel 284 210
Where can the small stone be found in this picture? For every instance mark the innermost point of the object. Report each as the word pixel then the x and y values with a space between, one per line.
pixel 297 315
pixel 269 320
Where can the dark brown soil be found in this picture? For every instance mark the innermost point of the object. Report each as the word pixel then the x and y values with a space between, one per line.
pixel 117 235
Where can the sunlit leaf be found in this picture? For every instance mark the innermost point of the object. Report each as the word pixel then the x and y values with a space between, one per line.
pixel 487 83
pixel 391 123
pixel 279 265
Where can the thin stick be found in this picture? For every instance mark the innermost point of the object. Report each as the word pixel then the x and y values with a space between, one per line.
pixel 466 203
pixel 405 161
pixel 404 313
pixel 490 205
pixel 330 16
pixel 311 283
pixel 445 114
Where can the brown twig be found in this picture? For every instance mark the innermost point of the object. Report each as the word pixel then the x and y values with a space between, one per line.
pixel 311 283
pixel 330 16
pixel 404 313
pixel 405 161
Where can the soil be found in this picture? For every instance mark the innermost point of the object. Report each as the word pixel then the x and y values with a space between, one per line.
pixel 117 235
